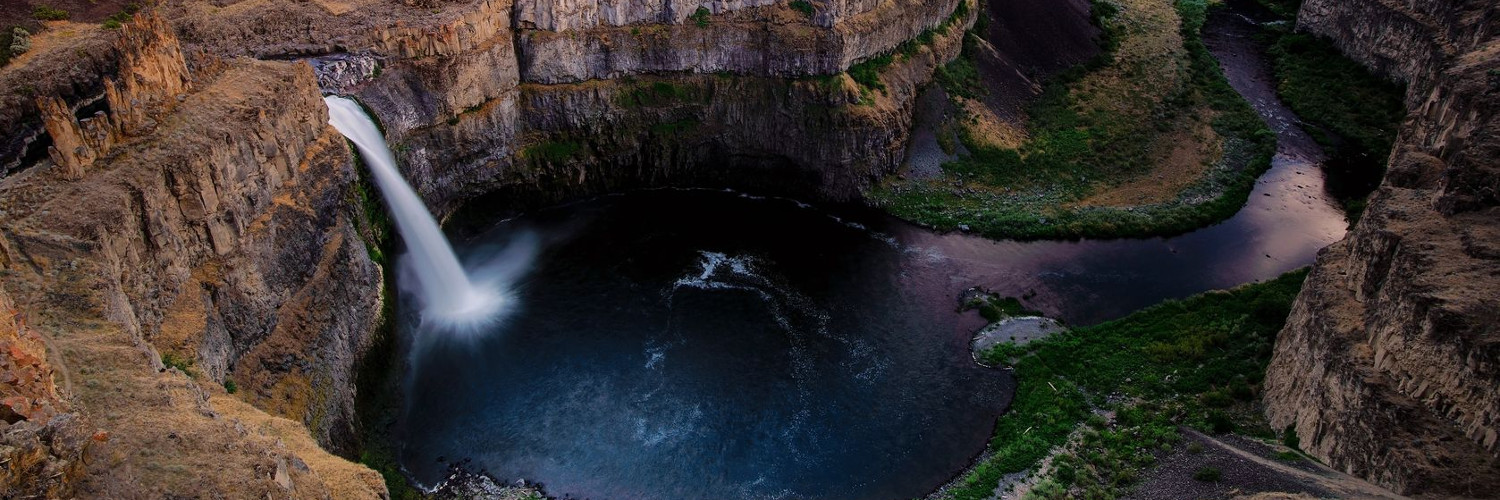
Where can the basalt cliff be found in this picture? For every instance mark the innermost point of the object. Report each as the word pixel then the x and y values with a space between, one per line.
pixel 191 269
pixel 1389 367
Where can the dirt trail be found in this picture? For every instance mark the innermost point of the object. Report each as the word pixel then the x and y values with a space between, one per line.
pixel 1344 485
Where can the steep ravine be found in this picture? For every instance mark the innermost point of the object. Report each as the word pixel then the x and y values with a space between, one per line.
pixel 1389 367
pixel 192 238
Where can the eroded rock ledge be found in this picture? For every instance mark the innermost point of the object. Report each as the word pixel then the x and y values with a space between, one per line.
pixel 195 222
pixel 1389 367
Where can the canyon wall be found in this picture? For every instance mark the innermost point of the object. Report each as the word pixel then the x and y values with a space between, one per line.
pixel 1389 366
pixel 484 116
pixel 195 236
pixel 185 238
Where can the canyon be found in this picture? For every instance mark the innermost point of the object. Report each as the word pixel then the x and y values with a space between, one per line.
pixel 198 255
pixel 193 271
pixel 1387 368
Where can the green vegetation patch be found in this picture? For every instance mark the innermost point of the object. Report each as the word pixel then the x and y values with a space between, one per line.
pixel 701 17
pixel 13 42
pixel 183 364
pixel 48 13
pixel 1197 362
pixel 960 76
pixel 1032 191
pixel 802 6
pixel 867 72
pixel 1355 114
pixel 117 20
pixel 994 308
pixel 377 404
pixel 552 151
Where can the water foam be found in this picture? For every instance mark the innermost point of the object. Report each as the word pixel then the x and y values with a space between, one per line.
pixel 448 296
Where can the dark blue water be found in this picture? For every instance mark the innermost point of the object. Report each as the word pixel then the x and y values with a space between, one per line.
pixel 699 344
pixel 705 345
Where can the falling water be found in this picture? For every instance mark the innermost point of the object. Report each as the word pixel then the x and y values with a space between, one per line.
pixel 446 293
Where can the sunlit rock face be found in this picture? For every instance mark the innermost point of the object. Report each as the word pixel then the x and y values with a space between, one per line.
pixel 1389 366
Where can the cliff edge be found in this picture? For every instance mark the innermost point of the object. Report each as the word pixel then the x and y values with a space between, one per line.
pixel 1389 366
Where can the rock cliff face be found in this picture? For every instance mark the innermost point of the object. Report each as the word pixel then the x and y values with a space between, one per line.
pixel 42 442
pixel 179 217
pixel 1389 366
pixel 208 240
pixel 463 122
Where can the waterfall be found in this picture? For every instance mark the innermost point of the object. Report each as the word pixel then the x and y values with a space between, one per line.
pixel 446 293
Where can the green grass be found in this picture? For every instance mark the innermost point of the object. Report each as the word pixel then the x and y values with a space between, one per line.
pixel 867 72
pixel 1355 114
pixel 1071 153
pixel 47 13
pixel 1153 369
pixel 171 360
pixel 960 76
pixel 1289 456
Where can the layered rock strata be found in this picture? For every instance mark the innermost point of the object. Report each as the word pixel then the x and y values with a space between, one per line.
pixel 196 226
pixel 1389 367
pixel 212 241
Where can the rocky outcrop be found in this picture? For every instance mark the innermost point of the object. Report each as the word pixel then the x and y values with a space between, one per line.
pixel 770 41
pixel 153 73
pixel 211 242
pixel 1389 367
pixel 1409 42
pixel 79 83
pixel 461 124
pixel 41 442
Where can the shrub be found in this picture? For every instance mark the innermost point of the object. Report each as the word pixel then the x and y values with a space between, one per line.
pixel 867 73
pixel 960 76
pixel 1220 423
pixel 45 13
pixel 1208 475
pixel 118 19
pixel 171 360
pixel 802 6
pixel 20 41
pixel 1362 111
pixel 700 17
pixel 1290 439
pixel 229 387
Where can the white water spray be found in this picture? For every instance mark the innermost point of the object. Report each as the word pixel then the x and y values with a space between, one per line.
pixel 447 294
